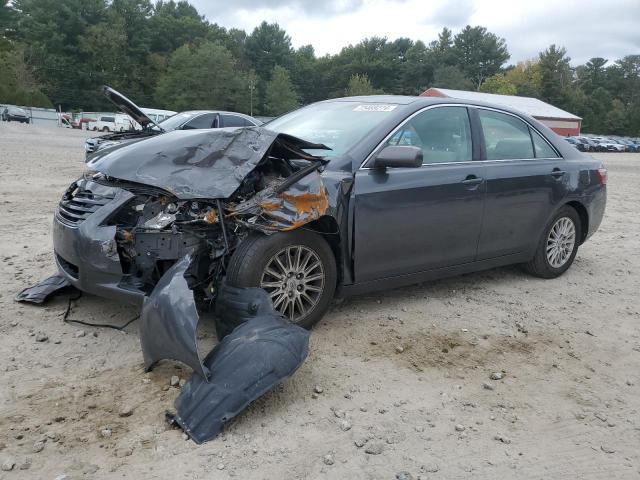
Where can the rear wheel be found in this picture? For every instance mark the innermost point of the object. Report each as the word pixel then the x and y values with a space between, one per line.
pixel 559 245
pixel 297 269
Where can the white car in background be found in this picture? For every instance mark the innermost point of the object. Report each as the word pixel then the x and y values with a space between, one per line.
pixel 111 123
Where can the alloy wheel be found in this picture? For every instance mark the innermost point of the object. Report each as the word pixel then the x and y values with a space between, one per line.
pixel 294 278
pixel 560 242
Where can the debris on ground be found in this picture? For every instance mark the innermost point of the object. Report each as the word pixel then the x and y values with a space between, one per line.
pixel 262 351
pixel 43 290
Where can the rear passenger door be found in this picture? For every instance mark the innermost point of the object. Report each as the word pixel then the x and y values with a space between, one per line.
pixel 525 178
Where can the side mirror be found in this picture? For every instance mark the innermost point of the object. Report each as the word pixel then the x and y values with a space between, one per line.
pixel 402 156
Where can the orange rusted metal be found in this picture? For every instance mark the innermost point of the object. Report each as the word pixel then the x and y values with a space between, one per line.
pixel 312 204
pixel 211 216
pixel 270 206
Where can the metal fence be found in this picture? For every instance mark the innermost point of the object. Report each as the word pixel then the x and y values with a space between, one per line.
pixel 47 117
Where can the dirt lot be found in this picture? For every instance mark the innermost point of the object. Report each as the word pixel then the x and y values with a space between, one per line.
pixel 405 375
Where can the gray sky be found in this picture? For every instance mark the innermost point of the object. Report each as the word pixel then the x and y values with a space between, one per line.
pixel 587 28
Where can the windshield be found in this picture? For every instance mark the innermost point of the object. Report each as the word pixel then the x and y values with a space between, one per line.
pixel 176 121
pixel 338 125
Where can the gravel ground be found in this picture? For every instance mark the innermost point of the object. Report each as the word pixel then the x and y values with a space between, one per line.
pixel 491 375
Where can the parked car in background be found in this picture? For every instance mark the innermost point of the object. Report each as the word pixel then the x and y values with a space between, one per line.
pixel 591 143
pixel 111 123
pixel 610 145
pixel 157 115
pixel 192 120
pixel 81 123
pixel 15 114
pixel 631 145
pixel 575 142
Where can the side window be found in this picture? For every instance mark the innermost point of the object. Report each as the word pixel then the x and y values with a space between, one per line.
pixel 201 121
pixel 443 134
pixel 505 136
pixel 234 121
pixel 543 149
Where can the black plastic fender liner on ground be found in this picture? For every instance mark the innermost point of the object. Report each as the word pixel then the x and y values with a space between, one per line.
pixel 169 320
pixel 40 292
pixel 236 305
pixel 258 355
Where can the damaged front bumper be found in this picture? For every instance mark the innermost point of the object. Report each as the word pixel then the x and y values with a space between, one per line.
pixel 84 244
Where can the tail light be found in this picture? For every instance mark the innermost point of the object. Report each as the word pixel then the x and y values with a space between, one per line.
pixel 602 175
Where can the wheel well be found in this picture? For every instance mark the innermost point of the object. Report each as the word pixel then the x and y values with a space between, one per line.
pixel 328 227
pixel 584 219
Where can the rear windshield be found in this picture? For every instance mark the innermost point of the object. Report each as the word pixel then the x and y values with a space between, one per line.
pixel 338 125
pixel 176 120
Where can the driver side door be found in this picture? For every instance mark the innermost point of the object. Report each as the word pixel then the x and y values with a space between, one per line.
pixel 410 220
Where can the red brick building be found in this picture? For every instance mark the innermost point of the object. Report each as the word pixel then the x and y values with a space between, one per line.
pixel 561 122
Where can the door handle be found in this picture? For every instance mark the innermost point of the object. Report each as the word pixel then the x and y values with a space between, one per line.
pixel 472 180
pixel 557 173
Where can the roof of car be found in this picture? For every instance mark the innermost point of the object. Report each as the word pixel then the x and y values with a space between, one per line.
pixel 423 101
pixel 529 105
pixel 198 112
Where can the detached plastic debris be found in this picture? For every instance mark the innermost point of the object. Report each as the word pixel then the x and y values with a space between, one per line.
pixel 259 354
pixel 169 321
pixel 42 291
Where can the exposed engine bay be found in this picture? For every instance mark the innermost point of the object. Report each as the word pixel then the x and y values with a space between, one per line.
pixel 155 228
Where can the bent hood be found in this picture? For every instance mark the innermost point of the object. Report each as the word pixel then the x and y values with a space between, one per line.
pixel 193 164
pixel 127 106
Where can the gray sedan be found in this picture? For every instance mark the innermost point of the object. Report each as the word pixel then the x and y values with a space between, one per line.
pixel 337 198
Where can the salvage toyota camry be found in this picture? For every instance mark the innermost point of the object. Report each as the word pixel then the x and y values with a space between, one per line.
pixel 336 198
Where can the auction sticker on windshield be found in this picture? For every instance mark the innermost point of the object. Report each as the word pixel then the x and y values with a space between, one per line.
pixel 374 108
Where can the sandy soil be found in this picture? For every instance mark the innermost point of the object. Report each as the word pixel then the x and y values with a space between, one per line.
pixel 405 375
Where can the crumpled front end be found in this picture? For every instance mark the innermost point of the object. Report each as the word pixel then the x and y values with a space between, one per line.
pixel 117 237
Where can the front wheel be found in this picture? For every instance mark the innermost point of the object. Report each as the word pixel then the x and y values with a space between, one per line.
pixel 559 245
pixel 297 269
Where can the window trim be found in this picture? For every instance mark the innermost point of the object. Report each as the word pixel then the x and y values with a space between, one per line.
pixel 408 119
pixel 474 120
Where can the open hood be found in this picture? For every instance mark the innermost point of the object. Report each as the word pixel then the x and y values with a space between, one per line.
pixel 199 164
pixel 127 106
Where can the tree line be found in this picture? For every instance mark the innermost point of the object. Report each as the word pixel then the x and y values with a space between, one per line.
pixel 166 55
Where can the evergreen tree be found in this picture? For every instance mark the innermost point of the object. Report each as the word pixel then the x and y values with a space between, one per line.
pixel 280 96
pixel 359 85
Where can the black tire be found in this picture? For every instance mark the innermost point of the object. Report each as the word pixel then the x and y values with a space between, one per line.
pixel 252 256
pixel 105 129
pixel 539 265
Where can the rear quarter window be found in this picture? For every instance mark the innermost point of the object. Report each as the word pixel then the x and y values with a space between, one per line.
pixel 506 137
pixel 542 147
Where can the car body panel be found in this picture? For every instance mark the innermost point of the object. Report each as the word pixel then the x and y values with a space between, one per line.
pixel 520 195
pixel 194 163
pixel 422 209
